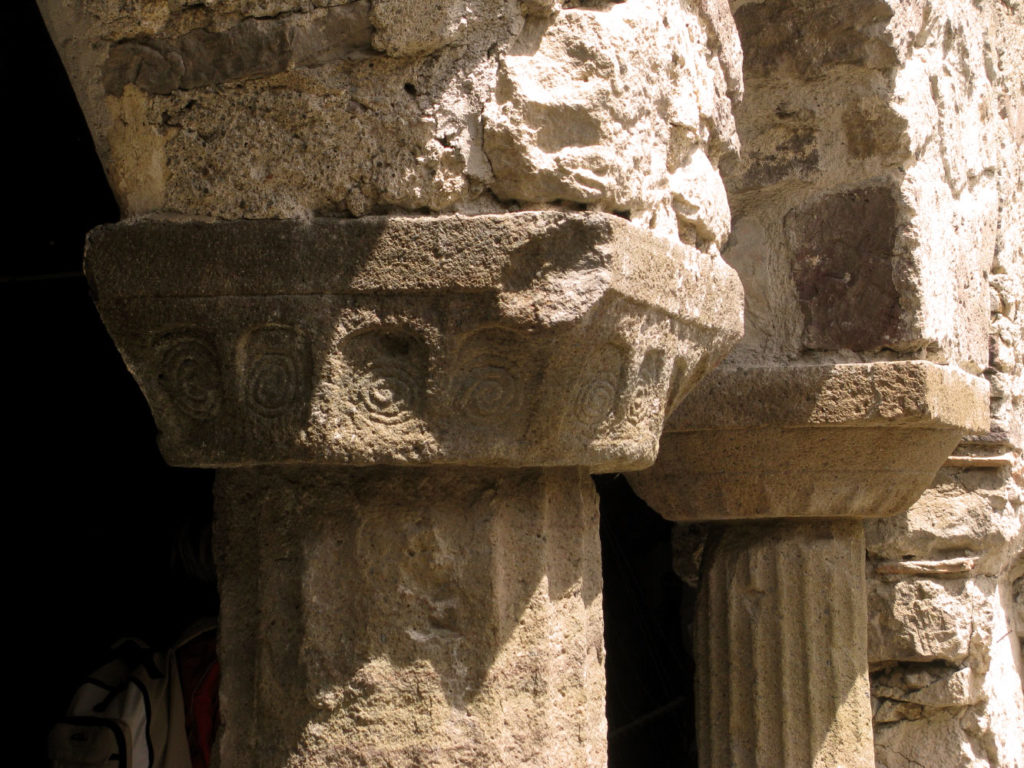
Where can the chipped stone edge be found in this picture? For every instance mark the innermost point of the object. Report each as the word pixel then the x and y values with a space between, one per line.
pixel 914 394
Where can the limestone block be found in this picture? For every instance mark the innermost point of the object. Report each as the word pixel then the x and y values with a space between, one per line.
pixel 880 168
pixel 605 108
pixel 958 669
pixel 922 619
pixel 925 687
pixel 515 340
pixel 780 647
pixel 410 617
pixel 967 515
pixel 299 108
pixel 811 441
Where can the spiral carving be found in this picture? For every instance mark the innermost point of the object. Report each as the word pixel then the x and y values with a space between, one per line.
pixel 388 370
pixel 595 399
pixel 273 371
pixel 488 377
pixel 272 384
pixel 190 375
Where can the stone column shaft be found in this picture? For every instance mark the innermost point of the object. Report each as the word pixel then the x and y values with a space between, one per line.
pixel 410 617
pixel 781 637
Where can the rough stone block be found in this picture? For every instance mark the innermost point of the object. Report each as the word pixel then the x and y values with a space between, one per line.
pixel 515 340
pixel 842 248
pixel 811 441
pixel 294 108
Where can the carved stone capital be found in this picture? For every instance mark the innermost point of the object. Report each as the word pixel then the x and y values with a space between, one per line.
pixel 528 339
pixel 854 440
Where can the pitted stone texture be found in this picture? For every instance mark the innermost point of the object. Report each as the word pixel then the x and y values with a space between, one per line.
pixel 293 108
pixel 524 339
pixel 881 129
pixel 410 617
pixel 948 678
pixel 781 648
pixel 942 628
pixel 624 109
pixel 860 440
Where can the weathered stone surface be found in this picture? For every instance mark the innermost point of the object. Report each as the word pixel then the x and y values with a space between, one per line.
pixel 955 698
pixel 867 130
pixel 966 515
pixel 410 617
pixel 924 98
pixel 843 270
pixel 780 647
pixel 782 37
pixel 942 618
pixel 295 108
pixel 514 340
pixel 572 117
pixel 254 47
pixel 811 441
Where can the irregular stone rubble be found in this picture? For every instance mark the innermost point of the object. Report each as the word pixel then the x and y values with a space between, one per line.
pixel 291 108
pixel 947 647
pixel 857 112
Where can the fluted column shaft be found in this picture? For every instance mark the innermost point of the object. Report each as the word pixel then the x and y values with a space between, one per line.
pixel 780 643
pixel 793 457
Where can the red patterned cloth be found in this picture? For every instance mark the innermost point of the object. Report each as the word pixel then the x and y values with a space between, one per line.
pixel 199 671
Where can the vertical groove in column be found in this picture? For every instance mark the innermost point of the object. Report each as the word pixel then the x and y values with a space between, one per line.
pixel 713 664
pixel 809 623
pixel 787 697
pixel 789 668
pixel 736 634
pixel 769 645
pixel 404 617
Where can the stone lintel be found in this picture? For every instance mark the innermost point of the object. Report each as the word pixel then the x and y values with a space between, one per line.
pixel 525 339
pixel 860 440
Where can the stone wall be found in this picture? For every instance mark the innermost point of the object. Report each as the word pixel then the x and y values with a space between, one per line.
pixel 875 179
pixel 945 579
pixel 877 195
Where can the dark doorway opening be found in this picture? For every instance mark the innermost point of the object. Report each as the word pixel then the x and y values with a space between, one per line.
pixel 648 661
pixel 94 515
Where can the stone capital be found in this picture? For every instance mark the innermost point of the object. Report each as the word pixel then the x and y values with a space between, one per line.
pixel 848 440
pixel 525 339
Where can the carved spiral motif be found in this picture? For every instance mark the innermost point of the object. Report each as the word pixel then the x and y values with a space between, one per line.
pixel 488 383
pixel 595 399
pixel 272 383
pixel 190 375
pixel 274 373
pixel 387 393
pixel 388 370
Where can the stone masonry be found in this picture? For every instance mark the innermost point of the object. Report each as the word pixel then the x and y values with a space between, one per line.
pixel 406 273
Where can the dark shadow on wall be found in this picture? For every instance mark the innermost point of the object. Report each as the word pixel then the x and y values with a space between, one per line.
pixel 648 663
pixel 92 511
